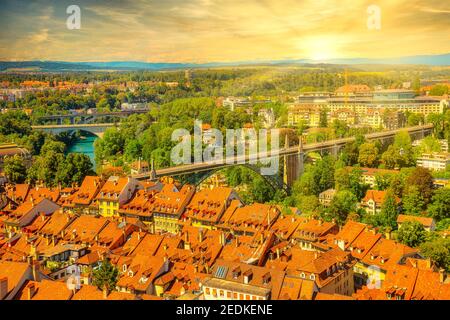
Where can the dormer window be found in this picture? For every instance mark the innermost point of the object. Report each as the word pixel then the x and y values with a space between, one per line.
pixel 248 275
pixel 236 273
pixel 124 268
pixel 130 273
pixel 302 275
pixel 312 277
pixel 266 278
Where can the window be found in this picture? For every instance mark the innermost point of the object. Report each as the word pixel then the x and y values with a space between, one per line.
pixel 207 291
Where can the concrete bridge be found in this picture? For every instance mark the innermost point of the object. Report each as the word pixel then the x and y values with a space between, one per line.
pixel 293 157
pixel 96 128
pixel 84 117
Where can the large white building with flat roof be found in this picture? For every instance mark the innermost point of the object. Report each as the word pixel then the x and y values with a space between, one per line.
pixel 434 161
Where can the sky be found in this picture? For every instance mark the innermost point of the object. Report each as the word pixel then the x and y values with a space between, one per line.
pixel 201 31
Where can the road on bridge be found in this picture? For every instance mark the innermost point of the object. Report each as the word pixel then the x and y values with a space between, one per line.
pixel 326 145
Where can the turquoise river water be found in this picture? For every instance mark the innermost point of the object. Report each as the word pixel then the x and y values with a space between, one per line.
pixel 84 145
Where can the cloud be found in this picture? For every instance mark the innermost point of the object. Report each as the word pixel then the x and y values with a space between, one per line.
pixel 216 30
pixel 40 36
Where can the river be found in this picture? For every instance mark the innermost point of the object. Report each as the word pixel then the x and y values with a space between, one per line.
pixel 85 146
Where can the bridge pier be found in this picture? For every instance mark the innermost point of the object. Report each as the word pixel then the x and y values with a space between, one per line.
pixel 301 159
pixel 335 151
pixel 293 166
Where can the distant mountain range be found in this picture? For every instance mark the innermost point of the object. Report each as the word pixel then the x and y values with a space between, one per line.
pixel 431 60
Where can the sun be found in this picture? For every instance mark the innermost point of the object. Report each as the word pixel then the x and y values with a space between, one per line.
pixel 320 48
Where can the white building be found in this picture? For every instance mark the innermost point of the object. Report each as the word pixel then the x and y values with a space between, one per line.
pixel 435 161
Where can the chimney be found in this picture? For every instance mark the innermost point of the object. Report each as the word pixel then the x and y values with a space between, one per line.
pixel 441 275
pixel 200 235
pixel 3 288
pixel 105 292
pixel 429 263
pixel 237 241
pixel 222 238
pixel 248 275
pixel 388 235
pixel 196 268
pixel 30 290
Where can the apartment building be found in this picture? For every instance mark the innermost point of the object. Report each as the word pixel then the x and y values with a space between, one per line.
pixel 434 161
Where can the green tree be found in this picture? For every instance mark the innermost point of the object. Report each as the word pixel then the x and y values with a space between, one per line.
pixel 414 119
pixel 340 128
pixel 133 150
pixel 14 169
pixel 383 180
pixel 73 169
pixel 389 212
pixel 323 118
pixel 439 90
pixel 439 207
pixel 411 233
pixel 343 203
pixel 307 204
pixel 106 276
pixel 110 145
pixel 260 190
pixel 422 179
pixel 350 179
pixel 438 250
pixel 368 155
pixel 52 146
pixel 430 144
pixel 443 225
pixel 45 168
pixel 15 122
pixel 413 201
pixel 316 178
